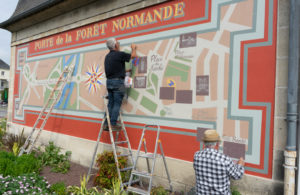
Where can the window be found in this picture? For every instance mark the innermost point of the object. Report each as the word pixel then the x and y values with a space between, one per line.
pixel 2 73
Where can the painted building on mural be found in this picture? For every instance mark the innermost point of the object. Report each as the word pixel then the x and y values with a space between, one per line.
pixel 202 64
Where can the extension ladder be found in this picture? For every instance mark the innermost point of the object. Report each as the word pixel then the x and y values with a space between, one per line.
pixel 114 142
pixel 46 110
pixel 149 174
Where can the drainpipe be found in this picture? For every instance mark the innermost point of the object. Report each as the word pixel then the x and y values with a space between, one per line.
pixel 290 152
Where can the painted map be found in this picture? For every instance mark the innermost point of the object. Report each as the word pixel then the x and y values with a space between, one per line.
pixel 185 79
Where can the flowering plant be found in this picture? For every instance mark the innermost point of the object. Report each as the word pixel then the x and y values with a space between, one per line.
pixel 29 183
pixel 107 172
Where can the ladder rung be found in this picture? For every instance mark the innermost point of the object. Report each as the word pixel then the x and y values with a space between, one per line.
pixel 121 142
pixel 120 155
pixel 142 173
pixel 132 182
pixel 137 190
pixel 126 168
pixel 147 155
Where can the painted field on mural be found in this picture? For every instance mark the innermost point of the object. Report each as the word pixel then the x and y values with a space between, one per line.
pixel 198 71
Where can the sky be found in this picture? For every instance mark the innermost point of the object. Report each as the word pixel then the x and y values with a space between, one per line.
pixel 7 8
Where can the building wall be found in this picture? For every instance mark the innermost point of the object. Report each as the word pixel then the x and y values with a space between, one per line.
pixel 4 74
pixel 4 78
pixel 218 64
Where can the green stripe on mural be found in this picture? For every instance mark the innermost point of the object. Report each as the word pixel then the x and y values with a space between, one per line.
pixel 179 65
pixel 151 91
pixel 148 104
pixel 134 94
pixel 154 79
pixel 170 71
pixel 55 75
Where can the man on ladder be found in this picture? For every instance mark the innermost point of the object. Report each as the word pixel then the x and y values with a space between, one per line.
pixel 115 73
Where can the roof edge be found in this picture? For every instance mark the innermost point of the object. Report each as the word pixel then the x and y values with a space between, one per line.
pixel 30 12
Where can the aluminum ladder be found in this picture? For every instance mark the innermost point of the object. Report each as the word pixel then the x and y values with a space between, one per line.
pixel 115 143
pixel 148 175
pixel 46 110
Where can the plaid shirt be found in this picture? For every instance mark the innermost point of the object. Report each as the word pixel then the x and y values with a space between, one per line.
pixel 213 172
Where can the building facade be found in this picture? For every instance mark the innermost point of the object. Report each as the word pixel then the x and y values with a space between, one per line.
pixel 203 64
pixel 4 75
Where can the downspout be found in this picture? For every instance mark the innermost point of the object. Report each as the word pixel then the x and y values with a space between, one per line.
pixel 290 152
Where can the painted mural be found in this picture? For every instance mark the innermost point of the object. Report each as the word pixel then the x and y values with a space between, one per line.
pixel 202 64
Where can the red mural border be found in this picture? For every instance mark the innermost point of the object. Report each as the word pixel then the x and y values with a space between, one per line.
pixel 74 127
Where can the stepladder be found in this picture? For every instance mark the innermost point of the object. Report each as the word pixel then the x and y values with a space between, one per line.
pixel 147 176
pixel 119 139
pixel 47 108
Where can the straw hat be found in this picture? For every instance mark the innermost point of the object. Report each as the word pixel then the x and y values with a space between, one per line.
pixel 211 135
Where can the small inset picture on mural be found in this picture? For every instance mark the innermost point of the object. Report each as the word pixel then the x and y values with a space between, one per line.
pixel 142 66
pixel 188 40
pixel 184 96
pixel 200 134
pixel 171 83
pixel 140 82
pixel 234 150
pixel 202 85
pixel 167 93
pixel 94 77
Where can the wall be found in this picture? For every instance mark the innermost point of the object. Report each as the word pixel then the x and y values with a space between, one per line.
pixel 4 78
pixel 210 67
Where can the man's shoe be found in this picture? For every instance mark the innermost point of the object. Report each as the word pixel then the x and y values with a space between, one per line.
pixel 116 128
pixel 105 128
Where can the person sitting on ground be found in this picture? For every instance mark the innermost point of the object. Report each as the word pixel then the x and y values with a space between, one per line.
pixel 114 65
pixel 213 169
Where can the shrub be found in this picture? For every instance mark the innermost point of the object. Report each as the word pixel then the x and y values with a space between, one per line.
pixel 3 123
pixel 107 172
pixel 10 139
pixel 58 188
pixel 159 191
pixel 116 189
pixel 2 129
pixel 24 184
pixel 234 191
pixel 52 157
pixel 82 190
pixel 15 166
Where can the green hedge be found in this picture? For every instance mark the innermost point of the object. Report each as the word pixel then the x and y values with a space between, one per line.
pixel 14 166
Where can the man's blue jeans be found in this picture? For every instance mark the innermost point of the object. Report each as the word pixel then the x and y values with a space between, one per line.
pixel 116 92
